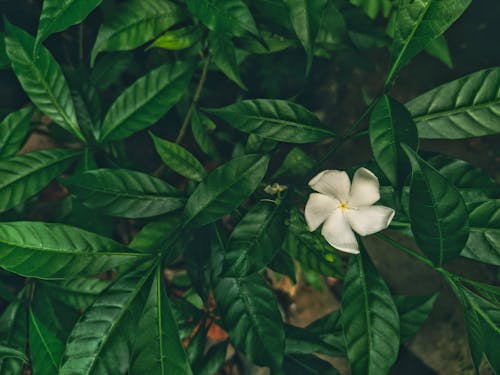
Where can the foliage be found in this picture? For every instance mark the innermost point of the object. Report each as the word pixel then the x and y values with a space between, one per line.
pixel 184 137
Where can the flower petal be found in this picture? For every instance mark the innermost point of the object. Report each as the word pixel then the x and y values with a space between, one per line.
pixel 339 234
pixel 333 183
pixel 364 189
pixel 318 208
pixel 370 219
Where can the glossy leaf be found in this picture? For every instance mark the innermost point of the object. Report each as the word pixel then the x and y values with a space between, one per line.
pixel 179 159
pixel 41 78
pixel 223 54
pixel 200 129
pixel 45 348
pixel 275 119
pixel 24 175
pixel 438 214
pixel 413 312
pixel 13 131
pixel 303 341
pixel 124 193
pixel 390 125
pixel 110 326
pixel 255 241
pixel 145 101
pixel 224 189
pixel 250 314
pixel 418 22
pixel 438 48
pixel 58 16
pixel 56 251
pixel 6 352
pixel 369 318
pixel 179 39
pixel 307 365
pixel 224 16
pixel 464 108
pixel 305 16
pixel 484 238
pixel 157 236
pixel 13 334
pixel 134 23
pixel 4 59
pixel 158 349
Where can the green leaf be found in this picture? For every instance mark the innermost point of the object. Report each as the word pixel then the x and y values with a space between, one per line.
pixel 438 214
pixel 146 101
pixel 56 251
pixel 311 249
pixel 45 348
pixel 303 341
pixel 124 193
pixel 4 59
pixel 134 23
pixel 41 78
pixel 6 352
pixel 297 164
pixel 157 347
pixel 275 119
pixel 200 128
pixel 307 365
pixel 484 238
pixel 390 125
pixel 438 48
pixel 224 189
pixel 283 263
pixel 78 293
pixel 214 359
pixel 179 39
pixel 156 236
pixel 101 342
pixel 464 108
pixel 13 334
pixel 250 314
pixel 305 16
pixel 255 241
pixel 413 312
pixel 419 22
pixel 224 16
pixel 223 54
pixel 179 159
pixel 369 318
pixel 58 16
pixel 13 131
pixel 24 175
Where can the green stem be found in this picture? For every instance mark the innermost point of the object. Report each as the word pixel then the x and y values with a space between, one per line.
pixel 408 251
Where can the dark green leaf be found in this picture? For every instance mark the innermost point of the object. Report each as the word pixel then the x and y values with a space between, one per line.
pixel 223 54
pixel 303 341
pixel 224 16
pixel 484 238
pixel 419 22
pixel 200 129
pixel 146 101
pixel 390 125
pixel 179 39
pixel 438 48
pixel 438 214
pixel 305 16
pixel 6 352
pixel 179 159
pixel 4 59
pixel 41 78
pixel 134 23
pixel 23 176
pixel 157 347
pixel 250 314
pixel 214 359
pixel 58 16
pixel 13 130
pixel 296 164
pixel 275 119
pixel 157 236
pixel 464 108
pixel 369 319
pixel 13 334
pixel 413 312
pixel 255 240
pixel 101 342
pixel 124 193
pixel 283 263
pixel 56 251
pixel 225 188
pixel 307 365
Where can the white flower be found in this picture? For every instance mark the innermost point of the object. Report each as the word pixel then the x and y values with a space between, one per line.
pixel 342 207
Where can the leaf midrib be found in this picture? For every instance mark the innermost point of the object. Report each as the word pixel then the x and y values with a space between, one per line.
pixel 42 339
pixel 454 111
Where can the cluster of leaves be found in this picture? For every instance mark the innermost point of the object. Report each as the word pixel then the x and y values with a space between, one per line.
pixel 217 230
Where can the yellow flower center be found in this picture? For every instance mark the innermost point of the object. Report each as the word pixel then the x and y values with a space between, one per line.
pixel 343 206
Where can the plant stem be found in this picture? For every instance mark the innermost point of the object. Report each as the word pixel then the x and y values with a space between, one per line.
pixel 407 250
pixel 189 113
